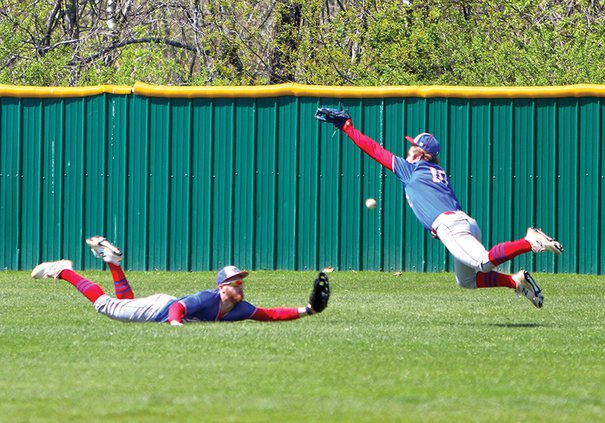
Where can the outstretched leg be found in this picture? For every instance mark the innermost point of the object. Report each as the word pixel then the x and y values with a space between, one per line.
pixel 535 240
pixel 506 251
pixel 113 256
pixel 474 265
pixel 63 269
pixel 120 283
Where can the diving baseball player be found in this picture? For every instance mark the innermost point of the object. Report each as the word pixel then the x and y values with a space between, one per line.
pixel 225 303
pixel 431 198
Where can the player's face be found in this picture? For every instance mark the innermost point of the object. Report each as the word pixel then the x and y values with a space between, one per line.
pixel 233 291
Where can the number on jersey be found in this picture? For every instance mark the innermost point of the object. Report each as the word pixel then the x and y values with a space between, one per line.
pixel 439 176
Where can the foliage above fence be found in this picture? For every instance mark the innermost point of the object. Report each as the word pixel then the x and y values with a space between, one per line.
pixel 317 42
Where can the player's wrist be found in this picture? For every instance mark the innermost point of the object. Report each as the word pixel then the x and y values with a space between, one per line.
pixel 305 311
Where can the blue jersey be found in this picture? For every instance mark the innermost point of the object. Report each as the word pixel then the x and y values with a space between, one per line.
pixel 204 306
pixel 427 189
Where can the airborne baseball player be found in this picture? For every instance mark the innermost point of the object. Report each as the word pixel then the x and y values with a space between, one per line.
pixel 225 303
pixel 431 198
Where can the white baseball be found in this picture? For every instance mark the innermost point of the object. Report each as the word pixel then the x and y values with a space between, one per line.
pixel 371 203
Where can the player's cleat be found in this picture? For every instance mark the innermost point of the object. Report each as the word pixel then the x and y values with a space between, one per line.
pixel 51 269
pixel 541 242
pixel 105 250
pixel 526 286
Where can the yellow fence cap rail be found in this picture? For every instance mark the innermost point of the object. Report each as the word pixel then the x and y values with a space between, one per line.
pixel 301 90
pixel 422 91
pixel 61 92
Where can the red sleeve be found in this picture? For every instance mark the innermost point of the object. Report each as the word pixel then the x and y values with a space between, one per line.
pixel 275 314
pixel 176 312
pixel 369 146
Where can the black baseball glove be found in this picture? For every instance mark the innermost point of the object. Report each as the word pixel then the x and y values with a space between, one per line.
pixel 334 116
pixel 320 294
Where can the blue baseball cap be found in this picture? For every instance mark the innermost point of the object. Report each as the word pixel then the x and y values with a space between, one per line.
pixel 427 142
pixel 229 272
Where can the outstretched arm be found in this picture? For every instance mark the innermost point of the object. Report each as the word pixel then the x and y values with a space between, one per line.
pixel 318 301
pixel 278 314
pixel 369 146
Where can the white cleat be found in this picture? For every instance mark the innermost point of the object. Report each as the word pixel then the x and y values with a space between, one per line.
pixel 541 242
pixel 526 286
pixel 105 250
pixel 51 269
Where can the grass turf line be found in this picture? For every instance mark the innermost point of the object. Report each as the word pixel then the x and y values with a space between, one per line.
pixel 409 348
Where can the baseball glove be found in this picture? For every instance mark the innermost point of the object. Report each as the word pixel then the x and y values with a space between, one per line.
pixel 320 294
pixel 334 116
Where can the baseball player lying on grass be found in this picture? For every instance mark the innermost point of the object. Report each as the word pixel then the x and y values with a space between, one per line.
pixel 225 303
pixel 430 195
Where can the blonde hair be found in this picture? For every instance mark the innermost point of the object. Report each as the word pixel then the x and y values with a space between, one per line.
pixel 428 157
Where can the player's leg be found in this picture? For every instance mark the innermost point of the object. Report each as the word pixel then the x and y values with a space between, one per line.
pixel 113 256
pixel 63 269
pixel 462 237
pixel 472 263
pixel 468 277
pixel 521 282
pixel 535 240
pixel 144 309
pixel 494 279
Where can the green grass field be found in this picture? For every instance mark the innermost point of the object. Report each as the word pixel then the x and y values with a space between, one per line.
pixel 410 348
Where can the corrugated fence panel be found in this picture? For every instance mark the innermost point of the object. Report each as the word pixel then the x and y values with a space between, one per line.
pixel 10 189
pixel 308 224
pixel 547 202
pixel 245 191
pixel 95 171
pixel 137 223
pixel 202 174
pixel 500 185
pixel 264 248
pixel 199 183
pixel 330 200
pixel 287 181
pixel 224 195
pixel 180 204
pixel 568 183
pixel 31 203
pixel 480 165
pixel 523 182
pixel 74 159
pixel 588 180
pixel 52 179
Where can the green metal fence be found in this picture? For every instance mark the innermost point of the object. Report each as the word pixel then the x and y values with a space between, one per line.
pixel 194 179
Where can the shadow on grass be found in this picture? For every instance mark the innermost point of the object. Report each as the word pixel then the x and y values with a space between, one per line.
pixel 519 325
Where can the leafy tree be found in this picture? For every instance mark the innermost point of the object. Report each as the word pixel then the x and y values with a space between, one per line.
pixel 328 42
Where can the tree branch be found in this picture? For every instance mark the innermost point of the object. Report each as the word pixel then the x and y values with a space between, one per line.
pixel 114 46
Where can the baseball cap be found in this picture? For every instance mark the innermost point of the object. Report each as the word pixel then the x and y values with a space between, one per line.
pixel 229 272
pixel 426 141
